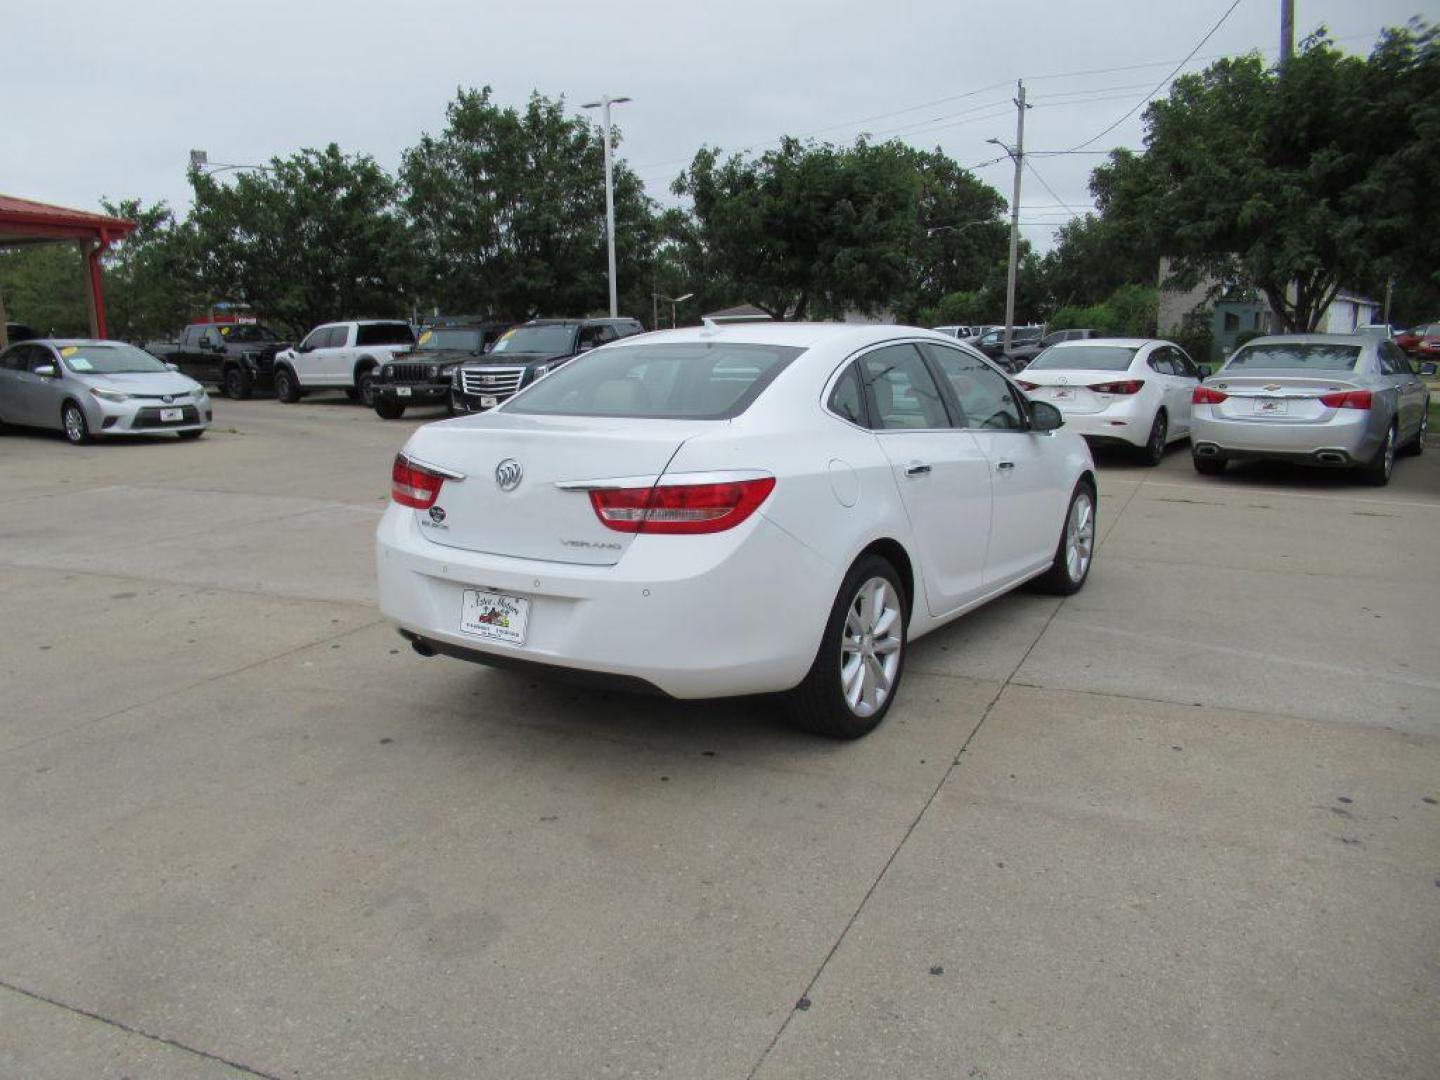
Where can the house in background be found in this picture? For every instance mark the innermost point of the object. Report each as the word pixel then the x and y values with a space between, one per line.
pixel 1231 309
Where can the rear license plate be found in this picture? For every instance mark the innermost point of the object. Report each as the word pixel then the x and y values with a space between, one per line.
pixel 402 391
pixel 495 616
pixel 489 402
pixel 170 415
pixel 1271 406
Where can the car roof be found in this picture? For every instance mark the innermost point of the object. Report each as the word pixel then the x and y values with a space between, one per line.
pixel 63 341
pixel 1118 342
pixel 1311 339
pixel 804 335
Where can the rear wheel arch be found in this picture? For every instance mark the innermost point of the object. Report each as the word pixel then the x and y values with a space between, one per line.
pixel 893 552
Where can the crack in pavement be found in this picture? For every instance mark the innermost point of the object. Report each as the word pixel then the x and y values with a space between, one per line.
pixel 120 1025
pixel 924 808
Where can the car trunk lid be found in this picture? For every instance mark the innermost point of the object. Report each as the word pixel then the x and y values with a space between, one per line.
pixel 1280 397
pixel 535 519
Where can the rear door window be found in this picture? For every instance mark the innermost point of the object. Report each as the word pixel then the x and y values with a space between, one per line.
pixel 901 394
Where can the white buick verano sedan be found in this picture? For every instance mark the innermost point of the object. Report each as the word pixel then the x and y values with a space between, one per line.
pixel 738 509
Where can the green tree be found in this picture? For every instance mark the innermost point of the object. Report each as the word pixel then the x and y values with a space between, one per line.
pixel 805 230
pixel 44 286
pixel 151 276
pixel 1298 181
pixel 316 236
pixel 507 209
pixel 1093 256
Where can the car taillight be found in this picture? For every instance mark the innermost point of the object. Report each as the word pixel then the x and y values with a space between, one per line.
pixel 1346 399
pixel 680 508
pixel 412 485
pixel 1124 386
pixel 1026 386
pixel 1206 395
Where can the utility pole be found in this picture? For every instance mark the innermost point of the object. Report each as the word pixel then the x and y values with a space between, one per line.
pixel 1287 32
pixel 1017 155
pixel 604 105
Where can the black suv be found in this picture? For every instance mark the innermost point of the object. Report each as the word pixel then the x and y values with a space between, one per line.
pixel 1022 339
pixel 237 357
pixel 423 375
pixel 527 352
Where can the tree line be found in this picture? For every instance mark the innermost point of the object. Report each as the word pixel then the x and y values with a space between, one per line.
pixel 1294 181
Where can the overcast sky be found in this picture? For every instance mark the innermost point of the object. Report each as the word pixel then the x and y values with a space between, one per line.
pixel 107 100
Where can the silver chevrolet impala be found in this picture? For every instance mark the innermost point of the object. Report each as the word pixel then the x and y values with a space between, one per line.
pixel 1338 400
pixel 98 388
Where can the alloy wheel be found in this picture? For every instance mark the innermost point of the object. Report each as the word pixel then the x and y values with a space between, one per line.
pixel 1080 536
pixel 74 420
pixel 870 647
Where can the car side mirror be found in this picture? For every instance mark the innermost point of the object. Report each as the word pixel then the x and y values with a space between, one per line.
pixel 1429 368
pixel 1044 416
pixel 172 367
pixel 1205 370
pixel 46 371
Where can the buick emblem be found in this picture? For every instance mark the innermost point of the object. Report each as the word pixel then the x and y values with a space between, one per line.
pixel 508 474
pixel 437 514
pixel 1272 387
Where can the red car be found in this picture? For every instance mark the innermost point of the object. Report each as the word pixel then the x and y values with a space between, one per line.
pixel 1421 342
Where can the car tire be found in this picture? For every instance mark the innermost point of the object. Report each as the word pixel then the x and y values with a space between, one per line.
pixel 365 386
pixel 191 435
pixel 74 424
pixel 1075 551
pixel 1208 466
pixel 388 409
pixel 822 703
pixel 1377 470
pixel 1153 452
pixel 237 383
pixel 1416 446
pixel 287 387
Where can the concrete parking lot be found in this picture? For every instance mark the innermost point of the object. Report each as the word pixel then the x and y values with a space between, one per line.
pixel 1183 824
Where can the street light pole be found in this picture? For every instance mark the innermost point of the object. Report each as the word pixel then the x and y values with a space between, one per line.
pixel 604 105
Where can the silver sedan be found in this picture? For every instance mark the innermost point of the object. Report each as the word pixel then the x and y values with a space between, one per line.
pixel 90 388
pixel 1346 401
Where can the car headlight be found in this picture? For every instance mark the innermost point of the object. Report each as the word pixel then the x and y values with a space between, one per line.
pixel 199 392
pixel 448 371
pixel 541 370
pixel 109 395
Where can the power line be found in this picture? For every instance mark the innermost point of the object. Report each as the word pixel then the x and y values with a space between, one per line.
pixel 1163 82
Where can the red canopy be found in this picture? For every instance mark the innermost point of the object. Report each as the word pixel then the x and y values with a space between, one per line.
pixel 24 221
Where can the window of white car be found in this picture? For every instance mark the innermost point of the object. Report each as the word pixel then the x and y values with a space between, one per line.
pixel 673 381
pixel 1084 358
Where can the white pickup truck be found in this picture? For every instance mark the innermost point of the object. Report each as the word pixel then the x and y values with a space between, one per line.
pixel 340 356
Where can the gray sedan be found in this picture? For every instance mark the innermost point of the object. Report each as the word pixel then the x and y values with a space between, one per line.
pixel 90 388
pixel 1346 401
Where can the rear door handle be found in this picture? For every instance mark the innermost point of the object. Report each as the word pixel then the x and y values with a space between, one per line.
pixel 1005 465
pixel 917 468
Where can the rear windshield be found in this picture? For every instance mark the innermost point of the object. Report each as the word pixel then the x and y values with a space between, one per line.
pixel 109 360
pixel 1083 358
pixel 676 381
pixel 385 333
pixel 466 340
pixel 1315 356
pixel 555 340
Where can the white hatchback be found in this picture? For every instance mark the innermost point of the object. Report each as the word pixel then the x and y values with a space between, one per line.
pixel 763 507
pixel 1131 391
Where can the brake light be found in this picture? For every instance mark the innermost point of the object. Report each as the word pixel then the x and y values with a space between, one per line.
pixel 1026 386
pixel 1206 395
pixel 1124 386
pixel 414 486
pixel 1347 399
pixel 680 508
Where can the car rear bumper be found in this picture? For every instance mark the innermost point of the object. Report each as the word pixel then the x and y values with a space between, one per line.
pixel 1126 422
pixel 1351 437
pixel 739 612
